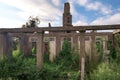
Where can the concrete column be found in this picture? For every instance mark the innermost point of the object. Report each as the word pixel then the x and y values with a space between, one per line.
pixel 93 44
pixel 79 44
pixel 75 43
pixel 26 45
pixel 23 45
pixel 104 40
pixel 39 50
pixel 88 45
pixel 58 44
pixel 52 49
pixel 82 44
pixel 21 40
pixel 111 38
pixel 5 45
pixel 8 45
pixel 2 45
pixel 82 53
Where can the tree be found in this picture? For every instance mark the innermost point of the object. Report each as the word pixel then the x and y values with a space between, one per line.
pixel 32 22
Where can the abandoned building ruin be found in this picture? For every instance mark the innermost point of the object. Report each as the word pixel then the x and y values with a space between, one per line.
pixel 81 41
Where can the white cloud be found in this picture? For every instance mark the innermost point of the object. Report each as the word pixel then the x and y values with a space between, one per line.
pixel 111 19
pixel 42 8
pixel 78 23
pixel 47 12
pixel 95 5
pixel 56 2
pixel 83 2
pixel 10 23
pixel 73 10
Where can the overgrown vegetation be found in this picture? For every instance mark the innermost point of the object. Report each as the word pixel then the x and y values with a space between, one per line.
pixel 64 67
pixel 109 70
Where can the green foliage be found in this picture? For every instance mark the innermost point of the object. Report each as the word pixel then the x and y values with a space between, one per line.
pixel 98 46
pixel 110 70
pixel 33 51
pixel 106 72
pixel 18 68
pixel 64 67
pixel 16 53
pixel 117 48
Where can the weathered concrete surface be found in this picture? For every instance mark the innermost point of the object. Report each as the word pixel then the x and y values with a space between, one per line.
pixel 5 45
pixel 26 45
pixel 82 44
pixel 1 44
pixel 52 44
pixel 88 45
pixel 39 51
pixel 8 45
pixel 75 43
pixel 61 28
pixel 93 49
pixel 82 54
pixel 58 44
pixel 82 68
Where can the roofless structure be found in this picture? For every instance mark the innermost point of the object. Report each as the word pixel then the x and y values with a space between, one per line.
pixel 81 41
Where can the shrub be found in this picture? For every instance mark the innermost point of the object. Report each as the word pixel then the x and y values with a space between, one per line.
pixel 65 67
pixel 106 72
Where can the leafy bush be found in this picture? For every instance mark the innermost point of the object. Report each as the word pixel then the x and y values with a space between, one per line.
pixel 17 68
pixel 111 69
pixel 105 72
pixel 64 67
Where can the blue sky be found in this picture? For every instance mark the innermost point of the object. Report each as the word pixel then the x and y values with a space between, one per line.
pixel 15 13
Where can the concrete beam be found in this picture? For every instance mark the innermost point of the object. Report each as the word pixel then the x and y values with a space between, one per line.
pixel 56 29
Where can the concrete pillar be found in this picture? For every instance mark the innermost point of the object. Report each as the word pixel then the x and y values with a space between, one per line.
pixel 111 38
pixel 8 45
pixel 82 44
pixel 5 45
pixel 39 50
pixel 79 44
pixel 21 40
pixel 75 43
pixel 82 53
pixel 26 45
pixel 2 44
pixel 61 42
pixel 58 44
pixel 52 49
pixel 82 68
pixel 88 45
pixel 93 44
pixel 103 41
